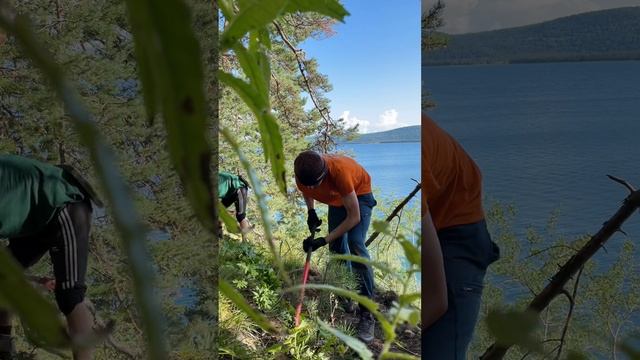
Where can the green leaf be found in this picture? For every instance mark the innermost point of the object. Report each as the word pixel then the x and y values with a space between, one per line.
pixel 330 8
pixel 127 220
pixel 362 300
pixel 142 27
pixel 356 345
pixel 263 62
pixel 244 306
pixel 380 226
pixel 264 37
pixel 513 327
pixel 226 7
pixel 172 53
pixel 361 260
pixel 409 298
pixel 38 314
pixel 411 252
pixel 254 15
pixel 272 140
pixel 227 219
pixel 406 314
pixel 250 64
pixel 246 92
pixel 262 203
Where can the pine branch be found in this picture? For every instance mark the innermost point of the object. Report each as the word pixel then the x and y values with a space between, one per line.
pixel 329 122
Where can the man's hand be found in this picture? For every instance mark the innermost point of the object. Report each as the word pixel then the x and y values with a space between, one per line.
pixel 313 222
pixel 313 244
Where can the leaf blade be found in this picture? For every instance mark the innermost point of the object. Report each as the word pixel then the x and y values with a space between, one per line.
pixel 243 305
pixel 255 15
pixel 330 8
pixel 356 345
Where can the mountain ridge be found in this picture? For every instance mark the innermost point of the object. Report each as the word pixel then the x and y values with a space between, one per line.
pixel 612 34
pixel 402 134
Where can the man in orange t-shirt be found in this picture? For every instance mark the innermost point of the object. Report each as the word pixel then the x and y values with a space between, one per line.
pixel 458 245
pixel 345 186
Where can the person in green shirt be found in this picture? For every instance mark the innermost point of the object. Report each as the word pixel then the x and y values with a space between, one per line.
pixel 46 208
pixel 233 189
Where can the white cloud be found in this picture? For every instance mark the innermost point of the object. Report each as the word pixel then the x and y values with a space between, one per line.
pixel 350 121
pixel 388 120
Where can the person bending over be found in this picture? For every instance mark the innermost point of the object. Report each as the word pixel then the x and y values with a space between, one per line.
pixel 46 208
pixel 345 186
pixel 233 189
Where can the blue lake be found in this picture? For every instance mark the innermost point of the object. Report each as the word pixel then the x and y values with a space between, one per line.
pixel 392 166
pixel 546 135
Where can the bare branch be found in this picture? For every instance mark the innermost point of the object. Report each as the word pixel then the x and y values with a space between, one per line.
pixel 395 212
pixel 538 252
pixel 623 182
pixel 574 264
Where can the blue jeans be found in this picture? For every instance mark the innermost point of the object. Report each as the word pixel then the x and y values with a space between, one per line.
pixel 467 251
pixel 353 241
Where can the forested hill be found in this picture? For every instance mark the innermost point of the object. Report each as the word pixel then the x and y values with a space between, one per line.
pixel 600 35
pixel 404 134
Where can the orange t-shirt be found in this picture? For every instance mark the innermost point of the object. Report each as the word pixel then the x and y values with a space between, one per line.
pixel 452 183
pixel 344 175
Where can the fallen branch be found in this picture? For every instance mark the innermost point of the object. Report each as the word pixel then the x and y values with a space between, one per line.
pixel 395 212
pixel 575 263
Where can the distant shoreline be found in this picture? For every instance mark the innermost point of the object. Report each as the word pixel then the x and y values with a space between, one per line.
pixel 519 62
pixel 379 142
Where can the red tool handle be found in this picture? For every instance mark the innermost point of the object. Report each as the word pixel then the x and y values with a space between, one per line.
pixel 305 276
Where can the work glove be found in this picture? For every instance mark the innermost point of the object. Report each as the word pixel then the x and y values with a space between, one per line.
pixel 313 222
pixel 313 244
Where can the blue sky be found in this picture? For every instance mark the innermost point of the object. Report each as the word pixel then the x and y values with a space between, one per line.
pixel 373 63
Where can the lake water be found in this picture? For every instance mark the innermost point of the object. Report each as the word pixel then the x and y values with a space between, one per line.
pixel 392 166
pixel 546 135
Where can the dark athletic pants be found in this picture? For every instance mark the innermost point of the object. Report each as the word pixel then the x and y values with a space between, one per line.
pixel 353 242
pixel 66 238
pixel 467 251
pixel 240 199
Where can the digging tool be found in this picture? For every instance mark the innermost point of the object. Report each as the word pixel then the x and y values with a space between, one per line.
pixel 305 276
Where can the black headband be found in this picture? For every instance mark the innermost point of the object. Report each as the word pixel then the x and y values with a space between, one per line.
pixel 306 181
